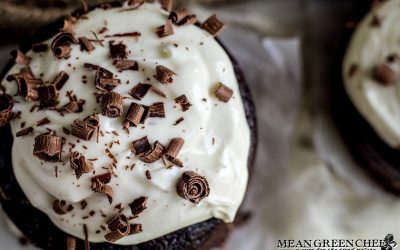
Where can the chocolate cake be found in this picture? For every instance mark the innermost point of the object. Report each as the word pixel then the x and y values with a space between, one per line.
pixel 364 92
pixel 108 146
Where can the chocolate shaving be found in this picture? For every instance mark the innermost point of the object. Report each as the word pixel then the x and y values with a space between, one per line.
pixel 20 57
pixel 47 96
pixel 132 34
pixel 193 187
pixel 134 4
pixel 39 47
pixel 91 66
pixel 86 45
pixel 61 207
pixel 138 206
pixel 48 147
pixel 384 74
pixel 182 17
pixel 134 115
pixel 99 187
pixel 112 105
pixel 154 154
pixel 118 221
pixel 102 178
pixel 183 102
pixel 126 65
pixel 140 90
pixel 60 80
pixel 118 51
pixel 86 128
pixel 71 243
pixel 43 122
pixel 164 75
pixel 179 121
pixel 213 25
pixel 141 146
pixel 61 45
pixel 158 92
pixel 6 106
pixel 27 85
pixel 223 93
pixel 105 80
pixel 80 165
pixel 157 110
pixel 175 145
pixel 166 4
pixel 24 132
pixel 136 228
pixel 165 30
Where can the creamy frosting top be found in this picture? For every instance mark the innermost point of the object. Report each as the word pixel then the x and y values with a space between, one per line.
pixel 216 134
pixel 376 38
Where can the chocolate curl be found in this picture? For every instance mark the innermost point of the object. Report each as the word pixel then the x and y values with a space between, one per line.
pixel 166 4
pixel 61 45
pixel 165 30
pixel 164 75
pixel 174 147
pixel 193 187
pixel 138 206
pixel 80 165
pixel 134 115
pixel 99 185
pixel 140 90
pixel 60 80
pixel 6 106
pixel 213 25
pixel 48 147
pixel 157 110
pixel 112 105
pixel 86 44
pixel 182 17
pixel 154 154
pixel 119 226
pixel 47 96
pixel 136 228
pixel 126 65
pixel 27 85
pixel 384 74
pixel 141 146
pixel 223 93
pixel 104 80
pixel 20 58
pixel 183 102
pixel 86 128
pixel 61 207
pixel 118 221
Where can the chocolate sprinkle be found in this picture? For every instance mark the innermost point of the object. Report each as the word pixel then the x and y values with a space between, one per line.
pixel 24 132
pixel 86 44
pixel 384 74
pixel 119 226
pixel 126 65
pixel 43 122
pixel 165 30
pixel 158 92
pixel 193 187
pixel 48 147
pixel 20 57
pixel 61 207
pixel 182 17
pixel 183 102
pixel 164 75
pixel 118 51
pixel 157 110
pixel 140 90
pixel 223 93
pixel 154 154
pixel 132 34
pixel 71 243
pixel 138 206
pixel 61 45
pixel 112 105
pixel 213 25
pixel 134 115
pixel 80 165
pixel 60 80
pixel 47 96
pixel 6 106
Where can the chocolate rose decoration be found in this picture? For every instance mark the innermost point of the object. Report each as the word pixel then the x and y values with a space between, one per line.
pixel 112 105
pixel 193 187
pixel 6 105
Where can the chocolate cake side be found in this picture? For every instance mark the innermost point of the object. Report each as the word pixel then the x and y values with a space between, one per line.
pixel 380 160
pixel 36 226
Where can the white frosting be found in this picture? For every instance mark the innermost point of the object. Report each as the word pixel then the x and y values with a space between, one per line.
pixel 370 46
pixel 200 63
